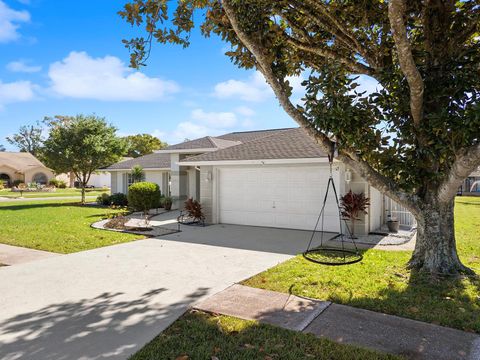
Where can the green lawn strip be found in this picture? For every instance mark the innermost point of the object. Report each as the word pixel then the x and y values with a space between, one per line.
pixel 56 225
pixel 201 336
pixel 58 193
pixel 381 282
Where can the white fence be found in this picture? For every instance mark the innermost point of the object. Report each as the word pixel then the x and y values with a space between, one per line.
pixel 404 217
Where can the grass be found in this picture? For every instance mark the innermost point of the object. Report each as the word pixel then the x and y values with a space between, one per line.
pixel 201 336
pixel 381 282
pixel 58 193
pixel 56 225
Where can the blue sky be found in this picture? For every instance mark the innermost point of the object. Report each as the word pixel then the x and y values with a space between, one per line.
pixel 66 58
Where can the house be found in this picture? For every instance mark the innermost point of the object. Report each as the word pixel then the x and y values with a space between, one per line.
pixel 471 185
pixel 23 167
pixel 273 178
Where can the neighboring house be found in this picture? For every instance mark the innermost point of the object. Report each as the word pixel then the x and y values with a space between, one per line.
pixel 471 185
pixel 24 167
pixel 99 179
pixel 273 178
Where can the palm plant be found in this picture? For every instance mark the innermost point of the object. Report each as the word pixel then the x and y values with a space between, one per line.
pixel 137 173
pixel 352 205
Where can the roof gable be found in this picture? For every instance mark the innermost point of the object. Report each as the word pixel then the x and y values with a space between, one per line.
pixel 285 144
pixel 20 161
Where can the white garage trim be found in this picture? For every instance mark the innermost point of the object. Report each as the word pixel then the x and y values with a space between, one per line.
pixel 275 196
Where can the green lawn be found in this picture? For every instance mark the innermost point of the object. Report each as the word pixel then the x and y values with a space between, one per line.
pixel 381 282
pixel 57 226
pixel 198 336
pixel 58 193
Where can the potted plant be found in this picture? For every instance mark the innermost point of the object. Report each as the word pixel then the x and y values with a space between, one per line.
pixel 392 224
pixel 352 205
pixel 167 203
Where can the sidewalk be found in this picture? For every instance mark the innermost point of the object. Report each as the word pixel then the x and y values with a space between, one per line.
pixel 14 255
pixel 344 324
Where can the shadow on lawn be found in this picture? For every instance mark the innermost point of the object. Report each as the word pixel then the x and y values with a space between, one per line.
pixel 107 326
pixel 445 302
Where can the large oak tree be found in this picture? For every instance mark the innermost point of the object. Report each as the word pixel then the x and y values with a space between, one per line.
pixel 415 139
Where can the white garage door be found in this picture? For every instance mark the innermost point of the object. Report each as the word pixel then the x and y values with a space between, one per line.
pixel 284 197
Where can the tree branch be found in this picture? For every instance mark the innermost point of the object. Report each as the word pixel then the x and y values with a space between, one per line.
pixel 351 159
pixel 396 13
pixel 352 66
pixel 466 163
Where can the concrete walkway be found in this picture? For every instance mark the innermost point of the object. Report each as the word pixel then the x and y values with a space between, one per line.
pixel 14 255
pixel 109 302
pixel 344 324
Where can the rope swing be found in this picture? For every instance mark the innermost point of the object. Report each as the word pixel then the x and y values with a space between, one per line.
pixel 330 255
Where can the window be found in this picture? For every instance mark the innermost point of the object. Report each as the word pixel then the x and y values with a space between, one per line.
pixel 40 178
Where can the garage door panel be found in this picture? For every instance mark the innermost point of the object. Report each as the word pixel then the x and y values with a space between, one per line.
pixel 285 197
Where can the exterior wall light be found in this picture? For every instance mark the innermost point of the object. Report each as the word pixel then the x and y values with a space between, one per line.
pixel 348 176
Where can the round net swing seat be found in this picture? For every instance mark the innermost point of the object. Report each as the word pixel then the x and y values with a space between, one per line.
pixel 332 256
pixel 347 252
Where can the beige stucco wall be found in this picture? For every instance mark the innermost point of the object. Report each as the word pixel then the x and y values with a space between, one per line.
pixel 11 173
pixel 28 176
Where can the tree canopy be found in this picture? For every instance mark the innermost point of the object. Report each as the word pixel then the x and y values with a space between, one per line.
pixel 28 139
pixel 415 139
pixel 143 144
pixel 83 145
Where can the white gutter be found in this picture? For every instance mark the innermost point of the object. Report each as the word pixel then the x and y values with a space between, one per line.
pixel 257 162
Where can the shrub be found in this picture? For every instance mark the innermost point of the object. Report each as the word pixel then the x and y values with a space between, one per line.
pixel 15 183
pixel 118 199
pixel 194 210
pixel 352 205
pixel 143 196
pixel 103 199
pixel 58 183
pixel 2 186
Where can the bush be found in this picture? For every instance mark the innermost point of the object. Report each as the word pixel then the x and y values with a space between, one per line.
pixel 58 183
pixel 194 210
pixel 2 186
pixel 118 199
pixel 15 183
pixel 103 199
pixel 143 196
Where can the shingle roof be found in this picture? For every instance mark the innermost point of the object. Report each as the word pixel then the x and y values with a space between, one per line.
pixel 246 136
pixel 150 161
pixel 20 161
pixel 284 144
pixel 206 142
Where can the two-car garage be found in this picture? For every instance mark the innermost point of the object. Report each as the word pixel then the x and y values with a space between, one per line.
pixel 276 196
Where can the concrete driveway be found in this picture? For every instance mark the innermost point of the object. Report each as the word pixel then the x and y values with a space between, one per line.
pixel 107 303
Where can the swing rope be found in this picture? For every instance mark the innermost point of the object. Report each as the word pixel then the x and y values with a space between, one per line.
pixel 310 253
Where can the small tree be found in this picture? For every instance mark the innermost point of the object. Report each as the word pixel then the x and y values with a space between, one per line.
pixel 82 144
pixel 137 173
pixel 352 206
pixel 143 196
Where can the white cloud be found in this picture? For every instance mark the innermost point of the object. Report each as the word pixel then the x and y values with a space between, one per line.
pixel 245 111
pixel 109 79
pixel 9 22
pixel 253 89
pixel 23 66
pixel 202 123
pixel 217 120
pixel 18 91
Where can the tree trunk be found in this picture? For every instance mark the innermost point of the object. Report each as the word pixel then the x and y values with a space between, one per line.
pixel 83 193
pixel 435 249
